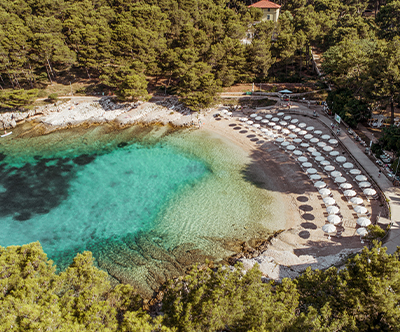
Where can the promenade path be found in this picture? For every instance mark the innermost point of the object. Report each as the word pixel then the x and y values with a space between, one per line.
pixel 391 193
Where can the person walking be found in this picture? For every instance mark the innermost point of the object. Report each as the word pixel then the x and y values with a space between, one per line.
pixel 379 173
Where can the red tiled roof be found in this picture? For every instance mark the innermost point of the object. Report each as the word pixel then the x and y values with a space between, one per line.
pixel 265 4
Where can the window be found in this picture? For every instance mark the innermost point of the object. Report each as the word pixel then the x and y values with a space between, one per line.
pixel 268 17
pixel 269 9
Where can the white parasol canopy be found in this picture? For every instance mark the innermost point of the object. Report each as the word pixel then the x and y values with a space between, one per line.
pixel 325 162
pixel 362 231
pixel 316 153
pixel 334 153
pixel 360 209
pixel 346 186
pixel 319 158
pixel 306 165
pixel 356 200
pixel 327 148
pixel 324 192
pixel 297 140
pixel 364 184
pixel 311 150
pixel 258 118
pixel 280 114
pixel 311 171
pixel 283 123
pixel 363 222
pixel 329 201
pixel 304 145
pixel 308 136
pixel 302 159
pixel 302 132
pixel 329 168
pixel 361 178
pixel 277 127
pixel 340 179
pixel 290 147
pixel 297 152
pixel 321 144
pixel 340 159
pixel 268 116
pixel 271 124
pixel 296 130
pixel 326 137
pixel 285 131
pixel 348 165
pixel 254 115
pixel 265 130
pixel 320 184
pixel 336 174
pixel 355 172
pixel 318 132
pixel 264 121
pixel 369 192
pixel 333 141
pixel 329 228
pixel 256 125
pixel 275 119
pixel 315 177
pixel 244 119
pixel 332 209
pixel 249 122
pixel 291 127
pixel 349 193
pixel 302 125
pixel 285 143
pixel 287 118
pixel 280 139
pixel 310 128
pixel 294 121
pixel 334 219
pixel 314 140
pixel 292 135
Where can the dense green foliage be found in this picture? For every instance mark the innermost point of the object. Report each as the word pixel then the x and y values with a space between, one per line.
pixel 364 296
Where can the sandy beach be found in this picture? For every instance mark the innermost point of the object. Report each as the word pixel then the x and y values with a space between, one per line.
pixel 302 243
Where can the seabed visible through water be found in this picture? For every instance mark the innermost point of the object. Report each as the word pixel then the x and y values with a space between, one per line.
pixel 147 201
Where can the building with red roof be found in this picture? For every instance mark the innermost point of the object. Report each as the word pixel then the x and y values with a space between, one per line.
pixel 270 10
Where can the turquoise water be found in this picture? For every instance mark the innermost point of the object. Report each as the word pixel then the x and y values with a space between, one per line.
pixel 148 202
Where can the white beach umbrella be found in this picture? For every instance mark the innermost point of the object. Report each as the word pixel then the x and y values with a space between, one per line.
pixel 306 165
pixel 275 119
pixel 329 228
pixel 280 114
pixel 271 124
pixel 244 119
pixel 294 121
pixel 249 122
pixel 224 111
pixel 361 178
pixel 324 192
pixel 340 179
pixel 265 130
pixel 315 177
pixel 258 118
pixel 364 184
pixel 302 125
pixel 334 219
pixel 287 118
pixel 311 150
pixel 290 147
pixel 302 159
pixel 325 162
pixel 316 153
pixel 280 139
pixel 319 158
pixel 348 165
pixel 283 123
pixel 285 131
pixel 264 121
pixel 297 140
pixel 320 184
pixel 363 222
pixel 321 144
pixel 229 113
pixel 292 136
pixel 356 200
pixel 340 159
pixel 268 116
pixel 369 192
pixel 329 201
pixel 346 186
pixel 285 143
pixel 327 148
pixel 362 231
pixel 304 145
pixel 329 168
pixel 336 174
pixel 308 136
pixel 297 152
pixel 332 209
pixel 277 127
pixel 349 193
pixel 310 128
pixel 296 130
pixel 311 171
pixel 314 140
pixel 333 141
pixel 291 127
pixel 317 132
pixel 355 172
pixel 254 115
pixel 360 209
pixel 334 153
pixel 256 125
pixel 326 137
pixel 302 132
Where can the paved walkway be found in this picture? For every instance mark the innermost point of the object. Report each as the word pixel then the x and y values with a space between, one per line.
pixel 392 193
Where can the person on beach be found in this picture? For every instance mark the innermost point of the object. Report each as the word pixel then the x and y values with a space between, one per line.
pixel 379 173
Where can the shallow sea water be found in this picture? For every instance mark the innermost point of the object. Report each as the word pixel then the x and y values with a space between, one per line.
pixel 148 202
